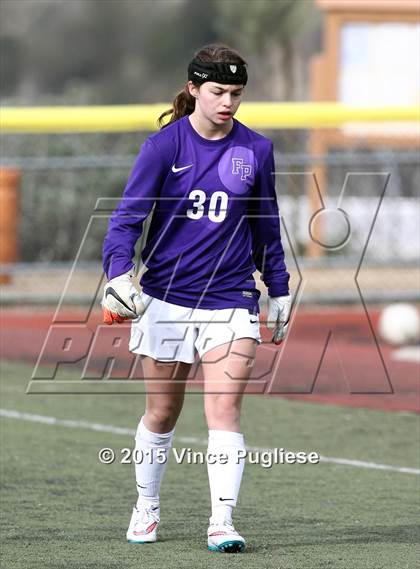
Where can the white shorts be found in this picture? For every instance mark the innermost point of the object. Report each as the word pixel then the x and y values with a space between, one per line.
pixel 168 332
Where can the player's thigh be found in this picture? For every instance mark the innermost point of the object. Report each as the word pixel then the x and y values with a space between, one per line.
pixel 226 370
pixel 227 367
pixel 165 383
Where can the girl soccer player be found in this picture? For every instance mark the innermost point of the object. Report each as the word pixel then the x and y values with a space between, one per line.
pixel 215 220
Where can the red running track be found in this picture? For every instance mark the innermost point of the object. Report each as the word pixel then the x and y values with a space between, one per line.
pixel 330 356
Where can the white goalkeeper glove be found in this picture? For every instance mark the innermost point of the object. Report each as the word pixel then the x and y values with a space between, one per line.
pixel 121 300
pixel 278 316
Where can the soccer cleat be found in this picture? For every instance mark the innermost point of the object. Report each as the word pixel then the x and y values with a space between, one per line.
pixel 143 525
pixel 224 538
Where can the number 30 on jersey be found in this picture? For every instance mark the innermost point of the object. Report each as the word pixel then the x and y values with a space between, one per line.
pixel 217 205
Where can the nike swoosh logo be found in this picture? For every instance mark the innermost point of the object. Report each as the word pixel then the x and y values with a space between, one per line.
pixel 224 499
pixel 111 291
pixel 175 169
pixel 253 321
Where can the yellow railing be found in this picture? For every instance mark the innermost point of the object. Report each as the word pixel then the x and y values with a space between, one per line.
pixel 124 118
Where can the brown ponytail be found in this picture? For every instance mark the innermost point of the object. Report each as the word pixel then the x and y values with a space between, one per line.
pixel 184 102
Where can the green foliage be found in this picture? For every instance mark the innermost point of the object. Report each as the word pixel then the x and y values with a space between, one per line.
pixel 254 24
pixel 105 52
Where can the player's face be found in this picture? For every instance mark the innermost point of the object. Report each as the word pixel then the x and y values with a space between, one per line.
pixel 218 102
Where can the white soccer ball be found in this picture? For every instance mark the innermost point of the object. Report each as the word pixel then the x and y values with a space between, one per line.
pixel 399 324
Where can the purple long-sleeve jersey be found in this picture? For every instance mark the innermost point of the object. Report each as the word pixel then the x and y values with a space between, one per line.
pixel 214 222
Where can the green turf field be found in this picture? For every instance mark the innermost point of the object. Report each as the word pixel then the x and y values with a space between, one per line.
pixel 62 508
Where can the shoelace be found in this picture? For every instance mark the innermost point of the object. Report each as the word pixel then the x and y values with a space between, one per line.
pixel 148 515
pixel 227 526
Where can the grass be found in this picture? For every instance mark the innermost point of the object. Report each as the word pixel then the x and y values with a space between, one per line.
pixel 62 508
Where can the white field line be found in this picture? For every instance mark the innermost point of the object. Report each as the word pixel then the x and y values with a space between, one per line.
pixel 407 354
pixel 75 424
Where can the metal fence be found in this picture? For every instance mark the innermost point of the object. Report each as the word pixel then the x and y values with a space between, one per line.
pixel 63 176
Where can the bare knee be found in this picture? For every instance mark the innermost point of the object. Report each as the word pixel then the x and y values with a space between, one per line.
pixel 162 418
pixel 223 413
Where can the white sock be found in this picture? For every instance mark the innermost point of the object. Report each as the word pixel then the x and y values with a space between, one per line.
pixel 150 470
pixel 224 479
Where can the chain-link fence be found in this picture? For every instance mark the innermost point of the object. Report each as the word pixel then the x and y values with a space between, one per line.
pixel 64 175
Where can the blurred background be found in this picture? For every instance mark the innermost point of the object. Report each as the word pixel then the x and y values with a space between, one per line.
pixel 336 85
pixel 357 55
pixel 56 52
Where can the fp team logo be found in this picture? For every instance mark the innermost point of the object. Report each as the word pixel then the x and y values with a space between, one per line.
pixel 239 167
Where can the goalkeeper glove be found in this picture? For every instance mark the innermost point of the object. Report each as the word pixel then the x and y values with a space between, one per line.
pixel 278 316
pixel 121 300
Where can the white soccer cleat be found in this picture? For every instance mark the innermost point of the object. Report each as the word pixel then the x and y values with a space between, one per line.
pixel 224 538
pixel 143 525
